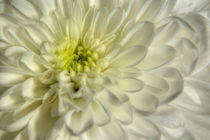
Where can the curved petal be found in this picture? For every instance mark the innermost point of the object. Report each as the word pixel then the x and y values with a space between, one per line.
pixel 144 101
pixel 26 7
pixel 175 83
pixel 195 97
pixel 173 118
pixel 130 84
pixel 99 22
pixel 22 135
pixel 150 10
pixel 33 89
pixel 156 57
pixel 129 57
pixel 100 114
pixel 10 76
pixel 14 52
pixel 36 129
pixel 93 133
pixel 31 61
pixel 143 128
pixel 165 33
pixel 78 122
pixel 187 57
pixel 113 96
pixel 122 113
pixel 139 34
pixel 100 4
pixel 114 20
pixel 11 99
pixel 157 85
pixel 108 133
pixel 46 6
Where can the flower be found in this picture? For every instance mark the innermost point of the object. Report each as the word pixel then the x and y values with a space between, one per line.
pixel 103 69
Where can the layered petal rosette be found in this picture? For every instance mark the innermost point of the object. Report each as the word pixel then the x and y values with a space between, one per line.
pixel 104 70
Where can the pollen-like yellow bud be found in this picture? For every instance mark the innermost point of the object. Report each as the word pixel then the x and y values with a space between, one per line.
pixel 78 58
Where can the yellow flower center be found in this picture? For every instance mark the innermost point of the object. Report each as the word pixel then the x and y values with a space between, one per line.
pixel 75 57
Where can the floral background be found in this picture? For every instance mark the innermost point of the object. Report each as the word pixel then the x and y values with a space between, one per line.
pixel 104 69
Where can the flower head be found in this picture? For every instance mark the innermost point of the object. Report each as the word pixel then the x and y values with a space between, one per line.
pixel 101 69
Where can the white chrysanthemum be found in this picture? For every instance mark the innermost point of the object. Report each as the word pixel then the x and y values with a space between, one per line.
pixel 104 70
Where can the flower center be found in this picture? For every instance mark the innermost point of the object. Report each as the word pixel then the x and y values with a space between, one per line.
pixel 75 57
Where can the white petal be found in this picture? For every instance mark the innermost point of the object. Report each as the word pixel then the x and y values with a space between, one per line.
pixel 123 113
pixel 31 61
pixel 22 135
pixel 156 84
pixel 175 82
pixel 152 8
pixel 93 133
pixel 198 125
pixel 143 128
pixel 139 34
pixel 27 108
pixel 33 89
pixel 26 8
pixel 8 136
pixel 114 20
pixel 14 52
pixel 100 115
pixel 135 7
pixel 144 101
pixel 72 29
pixel 166 8
pixel 113 96
pixel 62 6
pixel 165 33
pixel 130 84
pixel 10 77
pixel 203 74
pixel 99 3
pixel 46 6
pixel 37 33
pixel 19 124
pixel 157 57
pixel 99 22
pixel 187 57
pixel 173 118
pixel 195 97
pixel 116 96
pixel 78 122
pixel 11 99
pixel 36 129
pixel 113 131
pixel 129 57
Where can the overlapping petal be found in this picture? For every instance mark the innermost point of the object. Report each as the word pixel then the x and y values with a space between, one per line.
pixel 104 69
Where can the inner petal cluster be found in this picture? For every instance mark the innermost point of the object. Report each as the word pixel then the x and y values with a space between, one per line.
pixel 76 57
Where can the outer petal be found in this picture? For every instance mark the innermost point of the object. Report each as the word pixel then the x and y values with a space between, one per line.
pixel 31 62
pixel 123 113
pixel 26 8
pixel 11 99
pixel 143 128
pixel 33 89
pixel 46 6
pixel 100 114
pixel 156 57
pixel 78 122
pixel 10 76
pixel 108 133
pixel 144 101
pixel 36 129
pixel 130 84
pixel 129 57
pixel 139 34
